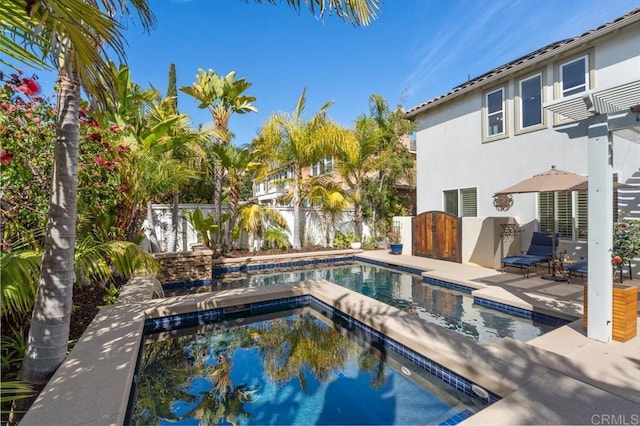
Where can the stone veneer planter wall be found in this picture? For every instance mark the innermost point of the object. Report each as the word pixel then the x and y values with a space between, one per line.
pixel 199 265
pixel 185 266
pixel 235 266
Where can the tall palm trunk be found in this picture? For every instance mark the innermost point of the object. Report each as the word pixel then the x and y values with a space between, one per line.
pixel 297 237
pixel 357 214
pixel 218 176
pixel 234 199
pixel 173 238
pixel 49 331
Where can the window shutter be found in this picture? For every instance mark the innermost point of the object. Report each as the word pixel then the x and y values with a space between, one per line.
pixel 564 214
pixel 451 202
pixel 469 202
pixel 544 211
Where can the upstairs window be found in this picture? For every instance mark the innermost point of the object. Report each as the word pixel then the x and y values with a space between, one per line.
pixel 531 101
pixel 574 76
pixel 495 112
pixel 324 166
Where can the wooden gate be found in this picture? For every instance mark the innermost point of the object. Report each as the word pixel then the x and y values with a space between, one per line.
pixel 437 235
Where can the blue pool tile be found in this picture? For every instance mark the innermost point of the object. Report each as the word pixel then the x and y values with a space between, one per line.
pixel 186 284
pixel 449 285
pixel 524 313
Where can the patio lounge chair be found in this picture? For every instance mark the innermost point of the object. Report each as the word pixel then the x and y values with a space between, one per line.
pixel 582 269
pixel 540 250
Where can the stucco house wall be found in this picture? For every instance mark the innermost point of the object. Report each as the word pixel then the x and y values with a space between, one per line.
pixel 451 153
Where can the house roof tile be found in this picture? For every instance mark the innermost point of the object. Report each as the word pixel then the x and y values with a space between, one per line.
pixel 539 54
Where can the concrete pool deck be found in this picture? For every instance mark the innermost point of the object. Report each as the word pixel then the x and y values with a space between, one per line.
pixel 561 377
pixel 586 382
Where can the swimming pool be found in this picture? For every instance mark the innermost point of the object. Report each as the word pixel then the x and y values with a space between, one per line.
pixel 293 367
pixel 444 307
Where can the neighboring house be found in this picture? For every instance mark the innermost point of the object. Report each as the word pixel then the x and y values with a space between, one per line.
pixel 269 191
pixel 499 129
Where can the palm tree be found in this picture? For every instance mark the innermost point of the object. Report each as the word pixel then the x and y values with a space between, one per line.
pixel 287 139
pixel 164 149
pixel 329 196
pixel 78 37
pixel 356 165
pixel 254 219
pixel 222 96
pixel 237 162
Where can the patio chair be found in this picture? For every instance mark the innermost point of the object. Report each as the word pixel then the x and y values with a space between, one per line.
pixel 582 269
pixel 573 269
pixel 541 249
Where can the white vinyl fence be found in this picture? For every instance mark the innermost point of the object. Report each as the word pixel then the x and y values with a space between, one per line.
pixel 312 222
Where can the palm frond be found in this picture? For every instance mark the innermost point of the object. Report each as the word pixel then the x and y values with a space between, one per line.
pixel 19 281
pixel 98 261
pixel 14 390
pixel 359 12
pixel 76 35
pixel 17 40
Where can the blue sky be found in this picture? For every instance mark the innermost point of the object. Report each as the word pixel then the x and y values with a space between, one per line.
pixel 414 51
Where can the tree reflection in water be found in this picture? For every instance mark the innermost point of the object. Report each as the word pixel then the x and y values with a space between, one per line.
pixel 190 377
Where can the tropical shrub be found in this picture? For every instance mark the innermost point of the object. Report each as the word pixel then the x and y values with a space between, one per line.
pixel 342 240
pixel 275 239
pixel 205 227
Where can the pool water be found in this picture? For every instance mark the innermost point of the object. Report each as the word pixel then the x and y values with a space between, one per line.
pixel 437 305
pixel 298 368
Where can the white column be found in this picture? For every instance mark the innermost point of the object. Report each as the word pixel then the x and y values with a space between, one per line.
pixel 600 283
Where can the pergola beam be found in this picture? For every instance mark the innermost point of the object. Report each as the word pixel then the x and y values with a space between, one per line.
pixel 597 114
pixel 600 225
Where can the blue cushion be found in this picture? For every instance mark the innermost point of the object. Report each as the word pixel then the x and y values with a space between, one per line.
pixel 541 244
pixel 578 267
pixel 524 260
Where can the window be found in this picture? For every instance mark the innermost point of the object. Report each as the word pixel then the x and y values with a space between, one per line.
pixel 495 112
pixel 563 221
pixel 451 202
pixel 531 101
pixel 461 202
pixel 574 76
pixel 324 166
pixel 571 211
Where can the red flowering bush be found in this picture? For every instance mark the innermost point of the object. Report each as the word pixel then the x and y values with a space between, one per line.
pixel 27 137
pixel 626 241
pixel 27 131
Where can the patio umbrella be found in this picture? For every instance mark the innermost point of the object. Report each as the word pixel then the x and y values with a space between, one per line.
pixel 616 185
pixel 553 180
